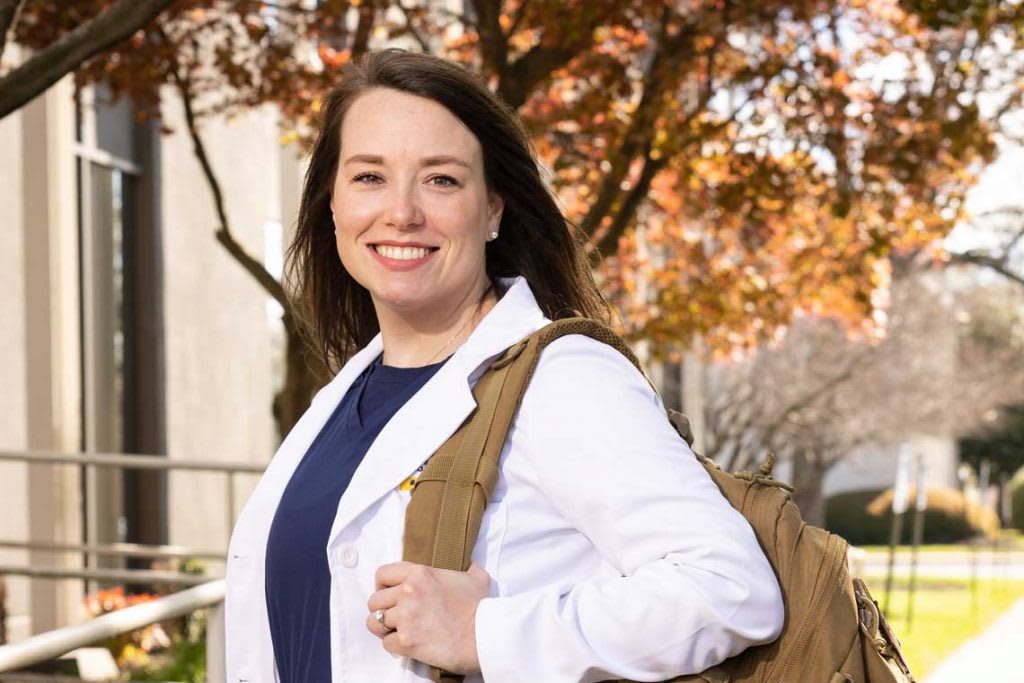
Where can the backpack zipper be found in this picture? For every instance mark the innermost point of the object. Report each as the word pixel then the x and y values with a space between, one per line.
pixel 807 630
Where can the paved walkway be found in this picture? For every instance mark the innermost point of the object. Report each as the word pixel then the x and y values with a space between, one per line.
pixel 994 656
pixel 984 564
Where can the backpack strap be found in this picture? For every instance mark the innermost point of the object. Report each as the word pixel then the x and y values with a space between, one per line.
pixel 443 518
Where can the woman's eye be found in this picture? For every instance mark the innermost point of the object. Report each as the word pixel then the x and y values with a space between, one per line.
pixel 366 176
pixel 445 181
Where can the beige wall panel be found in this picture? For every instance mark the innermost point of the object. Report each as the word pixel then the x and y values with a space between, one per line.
pixel 218 341
pixel 51 386
pixel 13 476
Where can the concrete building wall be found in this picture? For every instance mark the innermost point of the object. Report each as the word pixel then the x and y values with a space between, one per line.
pixel 13 476
pixel 221 337
pixel 874 466
pixel 52 345
pixel 218 340
pixel 39 351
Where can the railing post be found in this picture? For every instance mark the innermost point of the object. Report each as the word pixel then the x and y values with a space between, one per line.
pixel 216 667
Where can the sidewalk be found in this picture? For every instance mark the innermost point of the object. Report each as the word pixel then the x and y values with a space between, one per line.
pixel 984 564
pixel 994 656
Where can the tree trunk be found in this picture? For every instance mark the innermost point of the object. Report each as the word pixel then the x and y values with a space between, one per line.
pixel 808 476
pixel 305 373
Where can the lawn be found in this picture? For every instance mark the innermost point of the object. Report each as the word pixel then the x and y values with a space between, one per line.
pixel 946 613
pixel 1008 539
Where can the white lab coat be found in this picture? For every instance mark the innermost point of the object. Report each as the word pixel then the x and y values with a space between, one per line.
pixel 611 551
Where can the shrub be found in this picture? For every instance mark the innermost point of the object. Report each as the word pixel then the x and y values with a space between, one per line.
pixel 865 517
pixel 126 646
pixel 173 650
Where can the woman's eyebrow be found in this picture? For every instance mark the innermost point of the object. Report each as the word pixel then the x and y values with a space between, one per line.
pixel 439 160
pixel 364 158
pixel 444 159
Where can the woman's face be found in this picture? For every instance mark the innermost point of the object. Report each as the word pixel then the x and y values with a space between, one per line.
pixel 411 208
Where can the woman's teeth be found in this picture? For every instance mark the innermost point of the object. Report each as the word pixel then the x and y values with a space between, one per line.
pixel 401 253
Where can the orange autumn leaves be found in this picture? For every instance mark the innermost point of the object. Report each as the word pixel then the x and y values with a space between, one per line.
pixel 774 153
pixel 777 168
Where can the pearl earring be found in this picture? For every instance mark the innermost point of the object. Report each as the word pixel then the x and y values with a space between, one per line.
pixel 494 235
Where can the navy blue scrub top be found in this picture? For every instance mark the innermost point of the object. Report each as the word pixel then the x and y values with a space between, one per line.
pixel 298 580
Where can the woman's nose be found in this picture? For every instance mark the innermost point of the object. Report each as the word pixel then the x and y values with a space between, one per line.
pixel 403 209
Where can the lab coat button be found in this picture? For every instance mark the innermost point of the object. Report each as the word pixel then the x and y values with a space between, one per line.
pixel 349 556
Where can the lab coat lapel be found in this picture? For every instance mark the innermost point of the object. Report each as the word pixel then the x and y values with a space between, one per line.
pixel 259 512
pixel 435 412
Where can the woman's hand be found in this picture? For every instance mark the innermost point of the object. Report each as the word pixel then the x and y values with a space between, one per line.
pixel 430 614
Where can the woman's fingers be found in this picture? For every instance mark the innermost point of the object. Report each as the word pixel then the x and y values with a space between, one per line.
pixel 396 572
pixel 383 599
pixel 428 613
pixel 387 600
pixel 376 627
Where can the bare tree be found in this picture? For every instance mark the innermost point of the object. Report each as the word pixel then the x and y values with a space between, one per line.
pixel 1006 226
pixel 948 357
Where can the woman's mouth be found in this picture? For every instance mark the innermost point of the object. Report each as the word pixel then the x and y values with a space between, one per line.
pixel 401 258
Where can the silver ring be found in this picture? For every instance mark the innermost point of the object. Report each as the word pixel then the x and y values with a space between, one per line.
pixel 379 616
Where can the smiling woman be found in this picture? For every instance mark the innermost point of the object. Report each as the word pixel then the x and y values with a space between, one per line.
pixel 427 157
pixel 427 244
pixel 412 215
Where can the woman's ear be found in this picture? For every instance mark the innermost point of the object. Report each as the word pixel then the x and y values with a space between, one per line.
pixel 496 205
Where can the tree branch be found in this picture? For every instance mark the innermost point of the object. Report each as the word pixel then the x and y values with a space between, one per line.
pixel 10 11
pixel 49 65
pixel 493 41
pixel 609 238
pixel 517 20
pixel 639 132
pixel 997 265
pixel 361 42
pixel 411 28
pixel 810 397
pixel 223 234
pixel 519 79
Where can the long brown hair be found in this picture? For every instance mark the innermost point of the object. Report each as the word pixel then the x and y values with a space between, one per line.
pixel 536 241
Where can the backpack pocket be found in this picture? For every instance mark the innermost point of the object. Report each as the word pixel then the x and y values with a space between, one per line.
pixel 883 659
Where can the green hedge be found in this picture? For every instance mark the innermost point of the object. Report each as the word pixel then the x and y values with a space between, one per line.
pixel 1017 500
pixel 865 517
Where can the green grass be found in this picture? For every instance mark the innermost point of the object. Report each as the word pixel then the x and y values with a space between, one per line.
pixel 1009 539
pixel 946 613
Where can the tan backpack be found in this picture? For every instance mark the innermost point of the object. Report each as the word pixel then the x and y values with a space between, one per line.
pixel 833 632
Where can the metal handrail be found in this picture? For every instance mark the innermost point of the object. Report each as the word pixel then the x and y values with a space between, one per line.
pixel 130 461
pixel 60 641
pixel 118 549
pixel 142 462
pixel 209 594
pixel 106 575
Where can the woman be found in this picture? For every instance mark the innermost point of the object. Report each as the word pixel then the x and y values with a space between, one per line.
pixel 426 244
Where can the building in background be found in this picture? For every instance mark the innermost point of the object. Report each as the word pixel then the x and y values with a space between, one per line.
pixel 127 328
